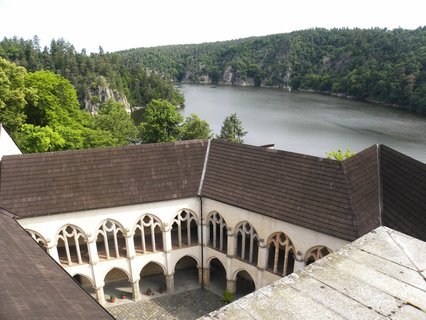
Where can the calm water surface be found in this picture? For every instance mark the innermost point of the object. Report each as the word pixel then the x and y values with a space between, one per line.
pixel 306 122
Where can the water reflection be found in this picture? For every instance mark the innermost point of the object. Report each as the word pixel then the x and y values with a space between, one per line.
pixel 306 122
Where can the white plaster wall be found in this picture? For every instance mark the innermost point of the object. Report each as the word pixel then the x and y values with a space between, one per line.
pixel 128 216
pixel 303 239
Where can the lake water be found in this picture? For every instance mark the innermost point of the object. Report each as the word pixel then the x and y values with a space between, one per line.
pixel 306 122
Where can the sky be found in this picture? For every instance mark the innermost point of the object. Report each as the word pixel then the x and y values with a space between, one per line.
pixel 124 24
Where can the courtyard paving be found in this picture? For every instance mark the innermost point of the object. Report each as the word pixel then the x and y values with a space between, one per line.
pixel 186 305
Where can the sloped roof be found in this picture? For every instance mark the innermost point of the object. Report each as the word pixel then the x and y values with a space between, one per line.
pixel 33 285
pixel 379 276
pixel 403 193
pixel 377 186
pixel 304 190
pixel 55 182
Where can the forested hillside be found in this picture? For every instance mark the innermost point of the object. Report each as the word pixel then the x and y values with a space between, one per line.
pixel 96 77
pixel 387 66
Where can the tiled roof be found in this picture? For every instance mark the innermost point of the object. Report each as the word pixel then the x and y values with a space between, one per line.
pixel 403 193
pixel 33 286
pixel 48 183
pixel 378 186
pixel 304 190
pixel 362 172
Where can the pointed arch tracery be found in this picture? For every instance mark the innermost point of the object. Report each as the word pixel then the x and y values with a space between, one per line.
pixel 281 254
pixel 218 232
pixel 37 238
pixel 148 236
pixel 184 230
pixel 72 245
pixel 110 240
pixel 247 243
pixel 316 253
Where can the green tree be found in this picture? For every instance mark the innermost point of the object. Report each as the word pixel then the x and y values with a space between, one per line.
pixel 161 122
pixel 232 129
pixel 195 128
pixel 39 139
pixel 13 93
pixel 340 155
pixel 113 117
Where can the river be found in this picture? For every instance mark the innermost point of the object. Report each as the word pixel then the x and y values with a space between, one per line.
pixel 307 123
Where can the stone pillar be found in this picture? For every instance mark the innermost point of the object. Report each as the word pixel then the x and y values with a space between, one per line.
pixel 231 285
pixel 167 237
pixel 52 250
pixel 261 262
pixel 170 283
pixel 100 296
pixel 232 244
pixel 130 245
pixel 136 294
pixel 298 264
pixel 206 277
pixel 93 251
pixel 205 233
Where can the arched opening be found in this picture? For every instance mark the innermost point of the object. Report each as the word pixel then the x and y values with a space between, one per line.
pixel 86 284
pixel 315 254
pixel 117 283
pixel 247 243
pixel 218 233
pixel 72 246
pixel 148 235
pixel 110 241
pixel 186 274
pixel 244 284
pixel 184 230
pixel 38 238
pixel 280 254
pixel 152 279
pixel 217 277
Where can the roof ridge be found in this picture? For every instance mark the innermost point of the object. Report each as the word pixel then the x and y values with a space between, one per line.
pixel 203 174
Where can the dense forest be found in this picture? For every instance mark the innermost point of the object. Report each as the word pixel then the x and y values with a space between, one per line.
pixel 386 66
pixel 91 75
pixel 57 99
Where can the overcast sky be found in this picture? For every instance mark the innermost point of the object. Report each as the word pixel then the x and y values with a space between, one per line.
pixel 124 24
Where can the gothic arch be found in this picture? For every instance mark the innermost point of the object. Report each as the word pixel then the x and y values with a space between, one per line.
pixel 118 268
pixel 316 253
pixel 154 262
pixel 217 232
pixel 41 241
pixel 148 234
pixel 281 254
pixel 110 240
pixel 247 242
pixel 184 229
pixel 71 243
pixel 187 255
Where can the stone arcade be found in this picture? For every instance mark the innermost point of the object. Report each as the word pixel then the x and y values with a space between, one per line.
pixel 257 214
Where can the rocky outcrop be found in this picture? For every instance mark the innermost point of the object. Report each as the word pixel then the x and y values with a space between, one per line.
pixel 100 92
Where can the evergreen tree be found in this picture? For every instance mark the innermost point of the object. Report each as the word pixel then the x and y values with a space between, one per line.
pixel 232 129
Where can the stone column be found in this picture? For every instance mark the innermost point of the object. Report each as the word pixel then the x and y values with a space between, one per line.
pixel 231 285
pixel 232 243
pixel 130 244
pixel 100 296
pixel 261 262
pixel 298 264
pixel 93 251
pixel 52 250
pixel 206 277
pixel 170 283
pixel 136 294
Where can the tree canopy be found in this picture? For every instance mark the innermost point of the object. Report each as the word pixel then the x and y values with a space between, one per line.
pixel 232 129
pixel 387 66
pixel 339 154
pixel 195 128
